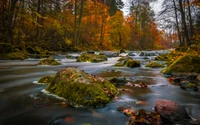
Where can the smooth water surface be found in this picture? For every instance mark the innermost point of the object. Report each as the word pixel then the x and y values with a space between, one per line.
pixel 23 102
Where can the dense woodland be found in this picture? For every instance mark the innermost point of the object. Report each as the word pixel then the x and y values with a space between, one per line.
pixel 71 25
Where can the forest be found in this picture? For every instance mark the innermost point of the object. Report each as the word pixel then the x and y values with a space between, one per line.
pixel 75 25
pixel 99 62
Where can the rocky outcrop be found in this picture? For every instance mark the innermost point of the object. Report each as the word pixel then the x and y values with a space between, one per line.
pixel 172 113
pixel 94 58
pixel 127 61
pixel 184 64
pixel 48 61
pixel 154 65
pixel 82 89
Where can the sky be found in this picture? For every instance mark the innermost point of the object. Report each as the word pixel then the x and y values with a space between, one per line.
pixel 155 5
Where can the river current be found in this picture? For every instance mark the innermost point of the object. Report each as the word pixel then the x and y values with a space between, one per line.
pixel 23 102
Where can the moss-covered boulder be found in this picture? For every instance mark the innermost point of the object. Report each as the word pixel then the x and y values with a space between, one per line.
pixel 48 61
pixel 132 63
pixel 127 61
pixel 162 57
pixel 81 89
pixel 184 64
pixel 46 79
pixel 86 57
pixel 154 65
pixel 15 56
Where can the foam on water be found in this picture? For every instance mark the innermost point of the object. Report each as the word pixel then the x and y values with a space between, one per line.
pixel 53 95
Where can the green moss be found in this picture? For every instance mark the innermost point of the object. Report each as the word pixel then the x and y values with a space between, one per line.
pixel 46 79
pixel 188 63
pixel 80 88
pixel 85 57
pixel 190 85
pixel 127 61
pixel 48 61
pixel 162 57
pixel 132 63
pixel 15 56
pixel 154 64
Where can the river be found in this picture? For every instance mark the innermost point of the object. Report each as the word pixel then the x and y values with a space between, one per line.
pixel 23 102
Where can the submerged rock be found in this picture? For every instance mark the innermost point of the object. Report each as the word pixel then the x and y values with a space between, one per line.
pixel 48 61
pixel 188 86
pixel 141 117
pixel 45 79
pixel 86 57
pixel 184 64
pixel 82 89
pixel 172 113
pixel 154 65
pixel 118 81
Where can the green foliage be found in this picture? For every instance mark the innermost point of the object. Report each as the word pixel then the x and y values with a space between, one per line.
pixel 85 57
pixel 6 48
pixel 15 56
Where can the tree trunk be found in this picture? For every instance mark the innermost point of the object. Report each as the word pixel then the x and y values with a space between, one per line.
pixel 38 19
pixel 10 21
pixel 120 39
pixel 184 24
pixel 79 22
pixel 75 20
pixel 190 19
pixel 177 26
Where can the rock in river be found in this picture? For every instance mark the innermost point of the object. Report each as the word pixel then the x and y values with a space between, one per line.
pixel 127 61
pixel 48 61
pixel 188 86
pixel 184 64
pixel 45 79
pixel 86 57
pixel 82 89
pixel 172 113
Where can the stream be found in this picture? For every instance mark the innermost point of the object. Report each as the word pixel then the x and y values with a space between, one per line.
pixel 23 102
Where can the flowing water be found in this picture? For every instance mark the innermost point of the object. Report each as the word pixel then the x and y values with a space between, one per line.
pixel 23 102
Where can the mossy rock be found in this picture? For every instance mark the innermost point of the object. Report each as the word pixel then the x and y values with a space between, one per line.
pixel 48 61
pixel 124 58
pixel 15 56
pixel 162 57
pixel 118 81
pixel 46 79
pixel 132 63
pixel 80 88
pixel 127 61
pixel 188 86
pixel 94 58
pixel 184 64
pixel 154 65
